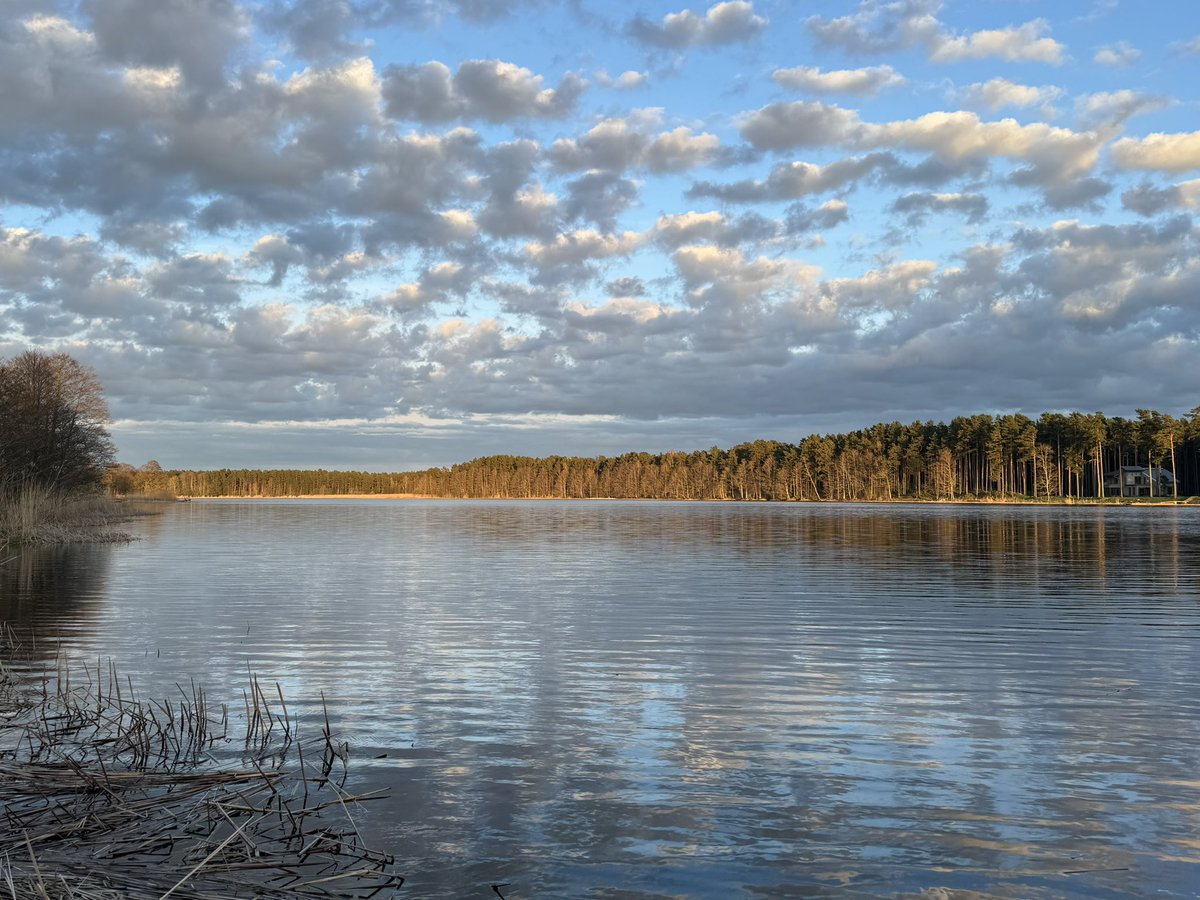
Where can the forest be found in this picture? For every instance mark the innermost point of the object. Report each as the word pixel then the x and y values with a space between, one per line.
pixel 1058 455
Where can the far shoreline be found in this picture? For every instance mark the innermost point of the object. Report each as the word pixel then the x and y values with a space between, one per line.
pixel 974 501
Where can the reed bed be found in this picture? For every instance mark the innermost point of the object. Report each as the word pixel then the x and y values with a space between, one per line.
pixel 36 515
pixel 106 795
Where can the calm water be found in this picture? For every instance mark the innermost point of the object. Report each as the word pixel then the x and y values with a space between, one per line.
pixel 696 700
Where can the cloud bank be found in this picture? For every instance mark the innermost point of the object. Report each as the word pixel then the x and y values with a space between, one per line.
pixel 365 229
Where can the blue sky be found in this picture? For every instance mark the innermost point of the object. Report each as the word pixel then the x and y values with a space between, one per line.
pixel 395 233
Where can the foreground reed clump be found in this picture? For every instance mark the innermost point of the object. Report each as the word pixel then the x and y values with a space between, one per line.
pixel 105 795
pixel 33 514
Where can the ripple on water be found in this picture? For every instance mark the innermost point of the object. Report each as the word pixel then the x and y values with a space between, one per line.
pixel 661 699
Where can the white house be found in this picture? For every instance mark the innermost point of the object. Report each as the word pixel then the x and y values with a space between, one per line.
pixel 1135 481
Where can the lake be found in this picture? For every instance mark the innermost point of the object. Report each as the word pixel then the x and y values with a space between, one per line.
pixel 643 699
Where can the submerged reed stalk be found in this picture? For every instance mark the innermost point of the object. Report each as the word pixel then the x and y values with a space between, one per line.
pixel 104 795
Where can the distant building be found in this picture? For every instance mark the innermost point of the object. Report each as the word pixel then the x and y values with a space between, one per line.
pixel 1135 481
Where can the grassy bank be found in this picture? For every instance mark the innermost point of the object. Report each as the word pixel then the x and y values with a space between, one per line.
pixel 106 795
pixel 37 515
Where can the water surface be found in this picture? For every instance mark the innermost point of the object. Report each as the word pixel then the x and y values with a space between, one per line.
pixel 594 699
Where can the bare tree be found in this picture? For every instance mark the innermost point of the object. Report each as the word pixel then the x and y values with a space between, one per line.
pixel 52 417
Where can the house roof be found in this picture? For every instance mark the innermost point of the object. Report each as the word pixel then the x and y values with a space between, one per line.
pixel 1158 471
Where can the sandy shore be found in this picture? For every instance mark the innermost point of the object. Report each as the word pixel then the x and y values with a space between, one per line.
pixel 316 497
pixel 1086 501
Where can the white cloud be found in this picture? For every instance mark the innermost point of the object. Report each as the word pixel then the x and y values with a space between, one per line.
pixel 262 242
pixel 999 93
pixel 803 123
pixel 1114 108
pixel 723 23
pixel 870 80
pixel 341 96
pixel 957 136
pixel 1022 43
pixel 488 89
pixel 880 27
pixel 622 143
pixel 1148 200
pixel 918 205
pixel 1056 152
pixel 1163 152
pixel 572 256
pixel 1121 54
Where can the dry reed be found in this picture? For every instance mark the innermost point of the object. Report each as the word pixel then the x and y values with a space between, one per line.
pixel 36 515
pixel 105 795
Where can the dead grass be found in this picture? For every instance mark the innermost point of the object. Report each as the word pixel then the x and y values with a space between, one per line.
pixel 151 497
pixel 36 515
pixel 106 795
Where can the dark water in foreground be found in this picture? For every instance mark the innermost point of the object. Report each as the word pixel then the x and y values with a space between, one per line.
pixel 696 700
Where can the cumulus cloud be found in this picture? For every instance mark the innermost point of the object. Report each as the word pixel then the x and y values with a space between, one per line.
pixel 440 283
pixel 792 180
pixel 319 29
pixel 488 89
pixel 1072 194
pixel 528 212
pixel 572 256
pixel 516 205
pixel 316 29
pixel 891 288
pixel 870 80
pixel 627 80
pixel 1163 152
pixel 1115 108
pixel 1121 54
pixel 1051 153
pixel 1022 43
pixel 57 284
pixel 917 206
pixel 58 81
pixel 276 253
pixel 676 230
pixel 599 197
pixel 789 181
pixel 621 143
pixel 802 123
pixel 1148 200
pixel 724 23
pixel 1106 276
pixel 626 286
pixel 205 279
pixel 197 36
pixel 803 219
pixel 1188 47
pixel 232 238
pixel 879 27
pixel 999 93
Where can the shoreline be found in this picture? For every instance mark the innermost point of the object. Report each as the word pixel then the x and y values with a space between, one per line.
pixel 974 501
pixel 46 518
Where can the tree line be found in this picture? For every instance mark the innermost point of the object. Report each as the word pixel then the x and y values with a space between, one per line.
pixel 1056 455
pixel 52 436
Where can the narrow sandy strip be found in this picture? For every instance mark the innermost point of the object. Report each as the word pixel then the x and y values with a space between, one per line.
pixel 1085 502
pixel 315 497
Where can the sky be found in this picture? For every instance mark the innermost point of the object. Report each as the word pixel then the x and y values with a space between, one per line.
pixel 391 234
